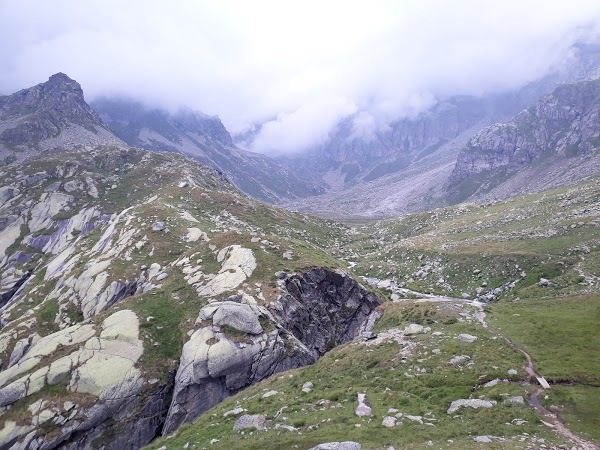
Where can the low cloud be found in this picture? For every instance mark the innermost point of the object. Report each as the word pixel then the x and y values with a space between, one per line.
pixel 291 70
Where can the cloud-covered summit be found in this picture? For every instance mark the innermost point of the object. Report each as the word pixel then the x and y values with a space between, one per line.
pixel 294 68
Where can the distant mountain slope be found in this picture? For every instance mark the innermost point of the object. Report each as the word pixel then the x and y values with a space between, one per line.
pixel 49 115
pixel 203 138
pixel 407 167
pixel 554 142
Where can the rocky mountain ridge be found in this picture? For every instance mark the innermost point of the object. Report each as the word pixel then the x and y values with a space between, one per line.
pixel 205 139
pixel 407 168
pixel 562 125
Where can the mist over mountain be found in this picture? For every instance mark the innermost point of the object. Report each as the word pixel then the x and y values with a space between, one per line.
pixel 299 225
pixel 205 139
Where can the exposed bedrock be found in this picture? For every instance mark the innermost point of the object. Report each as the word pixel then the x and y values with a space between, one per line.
pixel 317 311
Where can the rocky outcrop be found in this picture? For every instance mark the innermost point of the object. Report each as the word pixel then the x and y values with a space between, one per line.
pixel 564 124
pixel 102 369
pixel 96 252
pixel 237 264
pixel 240 343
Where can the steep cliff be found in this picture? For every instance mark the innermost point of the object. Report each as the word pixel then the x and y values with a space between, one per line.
pixel 317 311
pixel 562 128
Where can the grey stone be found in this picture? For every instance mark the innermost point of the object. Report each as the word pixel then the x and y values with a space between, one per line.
pixel 256 421
pixel 346 445
pixel 467 338
pixel 158 226
pixel 389 421
pixel 460 359
pixel 363 409
pixel 234 412
pixel 517 400
pixel 237 315
pixel 307 387
pixel 469 403
pixel 413 329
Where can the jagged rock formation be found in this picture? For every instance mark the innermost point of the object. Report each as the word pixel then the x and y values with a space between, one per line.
pixel 50 115
pixel 317 311
pixel 561 129
pixel 205 139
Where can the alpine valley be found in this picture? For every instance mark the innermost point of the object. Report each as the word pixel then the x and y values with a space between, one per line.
pixel 437 286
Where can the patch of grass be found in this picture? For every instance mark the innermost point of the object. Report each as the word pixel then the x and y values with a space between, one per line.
pixel 562 334
pixel 46 315
pixel 578 407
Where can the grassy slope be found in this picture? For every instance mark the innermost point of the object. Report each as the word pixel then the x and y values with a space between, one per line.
pixel 494 238
pixel 549 235
pixel 556 324
pixel 420 382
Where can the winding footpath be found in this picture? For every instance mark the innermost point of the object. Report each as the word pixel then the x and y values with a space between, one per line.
pixel 547 417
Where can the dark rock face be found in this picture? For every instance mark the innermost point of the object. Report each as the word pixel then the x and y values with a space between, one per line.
pixel 6 296
pixel 564 124
pixel 323 309
pixel 44 111
pixel 319 310
pixel 127 424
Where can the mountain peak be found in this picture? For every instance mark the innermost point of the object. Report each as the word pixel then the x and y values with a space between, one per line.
pixel 49 115
pixel 60 77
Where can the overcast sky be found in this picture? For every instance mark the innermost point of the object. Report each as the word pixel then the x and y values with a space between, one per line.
pixel 298 67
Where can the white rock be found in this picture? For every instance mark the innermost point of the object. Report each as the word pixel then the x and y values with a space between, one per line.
pixel 307 387
pixel 363 409
pixel 240 316
pixel 194 234
pixel 238 263
pixel 158 226
pixel 110 371
pixel 234 412
pixel 270 393
pixel 492 383
pixel 467 338
pixel 469 403
pixel 285 427
pixel 517 400
pixel 460 359
pixel 389 421
pixel 413 329
pixel 257 421
pixel 161 276
pixel 418 419
pixel 153 270
pixel 346 445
